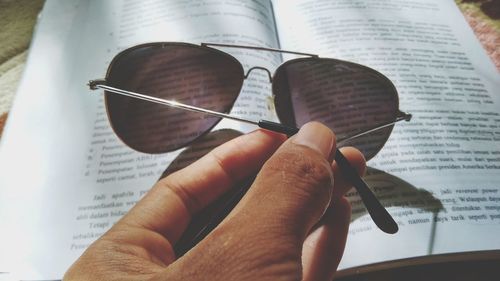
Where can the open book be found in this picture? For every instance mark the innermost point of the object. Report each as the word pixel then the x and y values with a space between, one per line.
pixel 65 177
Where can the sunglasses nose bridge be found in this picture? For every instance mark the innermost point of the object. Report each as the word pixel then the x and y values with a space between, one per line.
pixel 261 68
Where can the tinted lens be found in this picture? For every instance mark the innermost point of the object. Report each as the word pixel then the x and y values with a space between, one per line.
pixel 189 74
pixel 347 97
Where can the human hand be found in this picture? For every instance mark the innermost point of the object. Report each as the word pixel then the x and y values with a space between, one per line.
pixel 292 223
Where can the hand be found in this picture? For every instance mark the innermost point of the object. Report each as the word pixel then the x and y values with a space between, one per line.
pixel 292 223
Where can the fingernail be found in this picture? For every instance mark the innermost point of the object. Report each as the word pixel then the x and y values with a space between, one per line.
pixel 316 136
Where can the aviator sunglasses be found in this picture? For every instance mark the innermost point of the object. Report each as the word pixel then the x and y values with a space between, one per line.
pixel 146 85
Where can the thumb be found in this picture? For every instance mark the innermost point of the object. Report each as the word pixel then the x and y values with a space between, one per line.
pixel 262 237
pixel 293 188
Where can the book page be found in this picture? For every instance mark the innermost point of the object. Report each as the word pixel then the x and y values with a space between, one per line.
pixel 65 176
pixel 439 175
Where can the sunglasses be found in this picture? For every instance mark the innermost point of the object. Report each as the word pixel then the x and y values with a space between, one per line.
pixel 146 85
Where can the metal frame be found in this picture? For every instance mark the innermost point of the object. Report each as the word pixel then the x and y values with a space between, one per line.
pixel 258 48
pixel 101 84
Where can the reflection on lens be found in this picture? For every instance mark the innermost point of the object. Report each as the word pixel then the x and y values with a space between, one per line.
pixel 189 74
pixel 347 97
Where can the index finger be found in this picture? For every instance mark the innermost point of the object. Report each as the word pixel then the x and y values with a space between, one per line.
pixel 168 207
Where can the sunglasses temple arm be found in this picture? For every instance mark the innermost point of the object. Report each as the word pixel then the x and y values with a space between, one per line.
pixel 402 117
pixel 99 84
pixel 378 213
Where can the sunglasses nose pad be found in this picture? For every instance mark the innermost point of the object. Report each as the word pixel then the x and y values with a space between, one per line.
pixel 261 68
pixel 270 103
pixel 271 109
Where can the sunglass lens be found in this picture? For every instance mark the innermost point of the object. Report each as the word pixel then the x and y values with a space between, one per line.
pixel 347 97
pixel 188 74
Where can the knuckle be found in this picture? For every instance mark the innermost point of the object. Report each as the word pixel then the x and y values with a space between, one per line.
pixel 304 170
pixel 188 199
